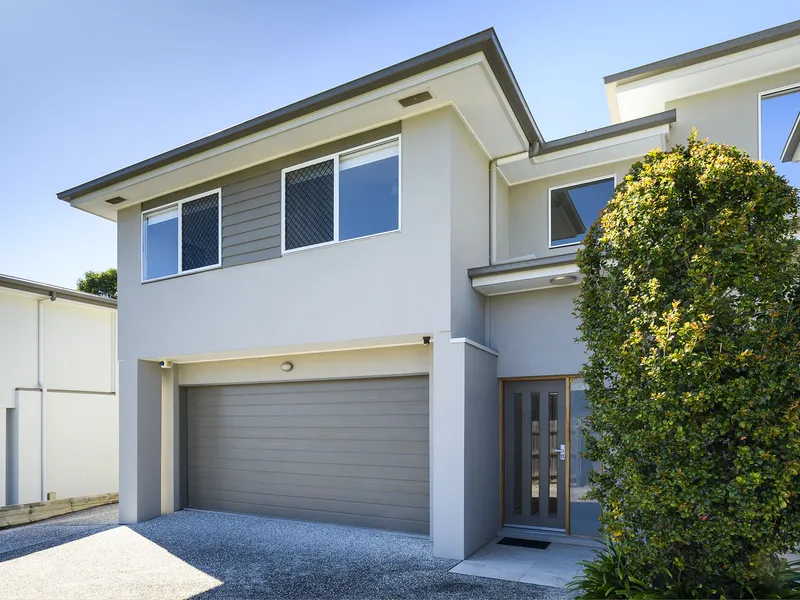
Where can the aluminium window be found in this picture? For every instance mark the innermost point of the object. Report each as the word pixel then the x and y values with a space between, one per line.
pixel 779 127
pixel 182 237
pixel 573 208
pixel 349 195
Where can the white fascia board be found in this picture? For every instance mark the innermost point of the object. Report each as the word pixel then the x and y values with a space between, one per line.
pixel 474 344
pixel 632 146
pixel 297 350
pixel 393 92
pixel 526 280
pixel 651 94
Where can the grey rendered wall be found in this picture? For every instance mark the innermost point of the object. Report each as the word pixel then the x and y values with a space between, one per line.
pixel 729 115
pixel 139 440
pixel 394 284
pixel 527 215
pixel 251 200
pixel 534 333
pixel 469 227
pixel 481 450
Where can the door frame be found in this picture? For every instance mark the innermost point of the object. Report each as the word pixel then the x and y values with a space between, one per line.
pixel 501 382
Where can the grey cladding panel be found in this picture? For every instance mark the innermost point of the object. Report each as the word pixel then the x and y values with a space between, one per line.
pixel 251 200
pixel 353 452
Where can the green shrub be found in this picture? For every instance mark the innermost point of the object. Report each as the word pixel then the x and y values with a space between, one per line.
pixel 608 576
pixel 690 311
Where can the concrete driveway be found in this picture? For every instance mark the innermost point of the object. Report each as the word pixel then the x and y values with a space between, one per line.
pixel 213 555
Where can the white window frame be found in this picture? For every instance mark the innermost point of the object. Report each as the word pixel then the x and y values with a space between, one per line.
pixel 550 191
pixel 179 205
pixel 794 87
pixel 335 157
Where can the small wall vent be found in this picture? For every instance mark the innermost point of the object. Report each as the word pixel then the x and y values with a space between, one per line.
pixel 117 200
pixel 415 99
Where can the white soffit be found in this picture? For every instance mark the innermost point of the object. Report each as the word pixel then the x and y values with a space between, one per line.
pixel 650 94
pixel 525 280
pixel 467 84
pixel 631 146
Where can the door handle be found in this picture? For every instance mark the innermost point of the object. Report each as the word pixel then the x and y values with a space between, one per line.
pixel 562 452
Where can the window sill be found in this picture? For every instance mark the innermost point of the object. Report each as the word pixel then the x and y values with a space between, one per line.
pixel 338 242
pixel 192 272
pixel 570 245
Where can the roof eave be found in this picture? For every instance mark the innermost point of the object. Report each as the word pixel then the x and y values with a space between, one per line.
pixel 667 117
pixel 740 44
pixel 485 41
pixel 792 143
pixel 43 289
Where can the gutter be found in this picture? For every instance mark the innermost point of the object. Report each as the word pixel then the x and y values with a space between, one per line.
pixel 740 44
pixel 41 289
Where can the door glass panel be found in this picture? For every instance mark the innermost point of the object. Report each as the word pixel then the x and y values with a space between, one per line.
pixel 535 453
pixel 584 514
pixel 518 454
pixel 553 466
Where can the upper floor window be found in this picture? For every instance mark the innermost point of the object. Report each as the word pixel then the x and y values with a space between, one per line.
pixel 181 237
pixel 780 131
pixel 348 195
pixel 574 208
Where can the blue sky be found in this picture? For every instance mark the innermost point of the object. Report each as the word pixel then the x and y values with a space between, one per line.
pixel 90 87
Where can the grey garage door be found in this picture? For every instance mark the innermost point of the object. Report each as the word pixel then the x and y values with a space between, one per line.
pixel 352 452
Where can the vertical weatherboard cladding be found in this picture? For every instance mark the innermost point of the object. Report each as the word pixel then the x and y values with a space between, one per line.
pixel 251 200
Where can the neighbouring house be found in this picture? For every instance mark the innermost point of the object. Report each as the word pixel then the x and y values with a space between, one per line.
pixel 59 430
pixel 357 308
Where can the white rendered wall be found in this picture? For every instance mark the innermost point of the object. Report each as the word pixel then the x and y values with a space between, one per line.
pixel 79 356
pixel 82 444
pixel 27 455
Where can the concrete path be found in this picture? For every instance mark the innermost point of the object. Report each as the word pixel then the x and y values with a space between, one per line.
pixel 212 555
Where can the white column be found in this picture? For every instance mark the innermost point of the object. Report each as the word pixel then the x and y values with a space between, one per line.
pixel 447 459
pixel 169 399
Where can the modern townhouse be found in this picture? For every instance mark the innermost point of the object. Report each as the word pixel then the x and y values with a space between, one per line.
pixel 357 308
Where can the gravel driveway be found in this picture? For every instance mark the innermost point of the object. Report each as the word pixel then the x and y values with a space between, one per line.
pixel 215 555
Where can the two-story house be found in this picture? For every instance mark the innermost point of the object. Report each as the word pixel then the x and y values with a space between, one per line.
pixel 358 308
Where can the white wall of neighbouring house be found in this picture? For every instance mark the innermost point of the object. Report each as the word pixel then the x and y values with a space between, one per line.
pixel 71 428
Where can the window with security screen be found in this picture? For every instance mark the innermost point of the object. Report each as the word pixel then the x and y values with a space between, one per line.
pixel 349 195
pixel 182 237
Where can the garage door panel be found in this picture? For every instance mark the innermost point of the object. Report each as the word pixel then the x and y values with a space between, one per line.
pixel 343 458
pixel 324 445
pixel 385 511
pixel 228 477
pixel 203 397
pixel 326 516
pixel 408 473
pixel 313 421
pixel 271 393
pixel 351 452
pixel 318 433
pixel 330 409
pixel 319 492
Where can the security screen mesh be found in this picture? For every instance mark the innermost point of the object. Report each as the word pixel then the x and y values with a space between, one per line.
pixel 200 231
pixel 309 205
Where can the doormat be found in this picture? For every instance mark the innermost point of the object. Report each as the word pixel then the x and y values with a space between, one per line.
pixel 506 541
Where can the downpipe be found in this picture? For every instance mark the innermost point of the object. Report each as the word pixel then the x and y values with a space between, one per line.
pixel 43 387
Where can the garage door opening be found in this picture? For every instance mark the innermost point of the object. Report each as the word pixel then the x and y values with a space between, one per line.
pixel 351 452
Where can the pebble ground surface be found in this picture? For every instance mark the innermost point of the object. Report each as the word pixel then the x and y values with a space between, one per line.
pixel 193 554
